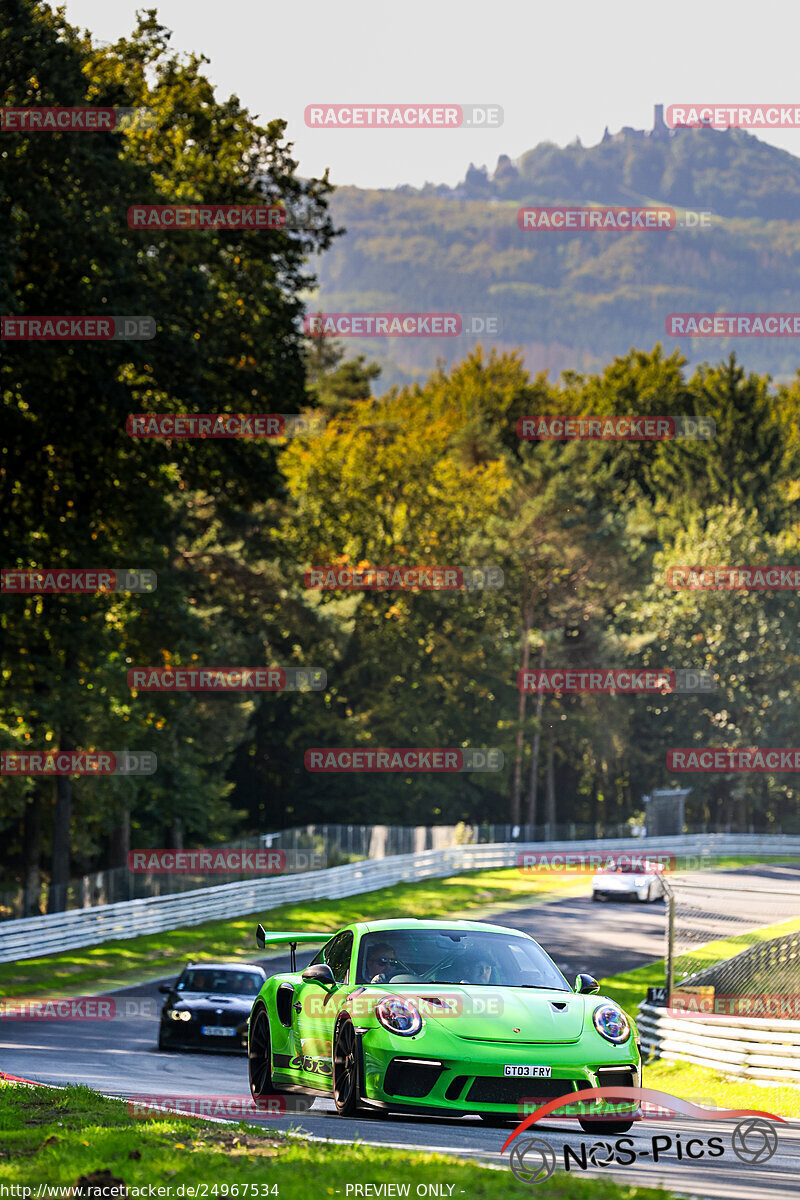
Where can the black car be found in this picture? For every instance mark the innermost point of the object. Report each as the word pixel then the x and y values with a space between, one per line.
pixel 208 1005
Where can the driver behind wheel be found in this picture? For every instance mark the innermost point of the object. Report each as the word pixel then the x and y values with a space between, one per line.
pixel 382 963
pixel 477 970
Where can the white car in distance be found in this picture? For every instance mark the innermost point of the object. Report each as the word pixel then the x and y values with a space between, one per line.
pixel 642 881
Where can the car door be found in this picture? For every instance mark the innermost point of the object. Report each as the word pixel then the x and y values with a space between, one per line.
pixel 315 1010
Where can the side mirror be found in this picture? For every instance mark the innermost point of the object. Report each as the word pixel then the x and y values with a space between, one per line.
pixel 164 988
pixel 586 985
pixel 319 973
pixel 261 936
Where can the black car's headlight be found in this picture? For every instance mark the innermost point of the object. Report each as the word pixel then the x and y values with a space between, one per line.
pixel 398 1016
pixel 611 1023
pixel 179 1014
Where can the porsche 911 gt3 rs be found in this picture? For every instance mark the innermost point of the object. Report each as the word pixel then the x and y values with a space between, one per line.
pixel 437 1017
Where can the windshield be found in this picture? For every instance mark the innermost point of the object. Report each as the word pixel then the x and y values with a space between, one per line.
pixel 628 868
pixel 454 956
pixel 227 983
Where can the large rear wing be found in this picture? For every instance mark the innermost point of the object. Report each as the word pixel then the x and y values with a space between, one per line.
pixel 263 936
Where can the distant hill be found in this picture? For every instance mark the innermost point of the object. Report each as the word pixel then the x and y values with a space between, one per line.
pixel 574 299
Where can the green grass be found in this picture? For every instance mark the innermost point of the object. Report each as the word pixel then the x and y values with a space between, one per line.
pixel 715 951
pixel 631 987
pixel 55 1137
pixel 729 862
pixel 123 963
pixel 702 1085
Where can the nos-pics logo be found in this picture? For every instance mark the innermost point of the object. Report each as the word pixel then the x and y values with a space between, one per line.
pixel 533 1160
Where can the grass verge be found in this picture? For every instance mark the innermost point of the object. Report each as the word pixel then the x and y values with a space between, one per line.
pixel 58 1137
pixel 704 1086
pixel 134 960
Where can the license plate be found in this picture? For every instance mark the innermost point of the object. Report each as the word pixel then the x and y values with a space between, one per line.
pixel 218 1031
pixel 538 1072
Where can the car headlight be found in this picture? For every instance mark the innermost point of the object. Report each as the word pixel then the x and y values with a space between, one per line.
pixel 640 881
pixel 398 1016
pixel 611 1023
pixel 180 1014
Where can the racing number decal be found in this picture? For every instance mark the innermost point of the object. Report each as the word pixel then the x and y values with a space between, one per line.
pixel 316 1066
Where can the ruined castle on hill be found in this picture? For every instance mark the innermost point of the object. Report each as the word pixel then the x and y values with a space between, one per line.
pixel 506 178
pixel 660 131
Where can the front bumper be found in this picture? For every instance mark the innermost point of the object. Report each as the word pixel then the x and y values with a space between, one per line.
pixel 620 894
pixel 399 1077
pixel 187 1036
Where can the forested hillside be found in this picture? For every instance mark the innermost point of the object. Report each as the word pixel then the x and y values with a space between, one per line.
pixel 570 298
pixel 433 474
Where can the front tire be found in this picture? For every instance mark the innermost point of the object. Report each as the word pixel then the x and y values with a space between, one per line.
pixel 345 1067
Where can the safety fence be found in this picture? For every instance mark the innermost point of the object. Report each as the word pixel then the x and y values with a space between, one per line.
pixel 334 844
pixel 31 937
pixel 731 998
pixel 714 919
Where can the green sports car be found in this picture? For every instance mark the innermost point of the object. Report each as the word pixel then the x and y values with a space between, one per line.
pixel 437 1017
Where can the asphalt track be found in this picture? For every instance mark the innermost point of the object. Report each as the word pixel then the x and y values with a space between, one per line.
pixel 119 1057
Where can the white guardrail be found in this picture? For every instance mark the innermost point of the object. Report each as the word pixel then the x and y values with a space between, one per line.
pixel 32 937
pixel 762 1048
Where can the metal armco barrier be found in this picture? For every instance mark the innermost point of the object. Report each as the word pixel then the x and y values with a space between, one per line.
pixel 32 937
pixel 764 1049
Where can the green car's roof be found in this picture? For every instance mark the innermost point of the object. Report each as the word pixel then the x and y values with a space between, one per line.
pixel 417 923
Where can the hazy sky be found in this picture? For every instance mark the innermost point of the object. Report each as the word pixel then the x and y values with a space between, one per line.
pixel 558 70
